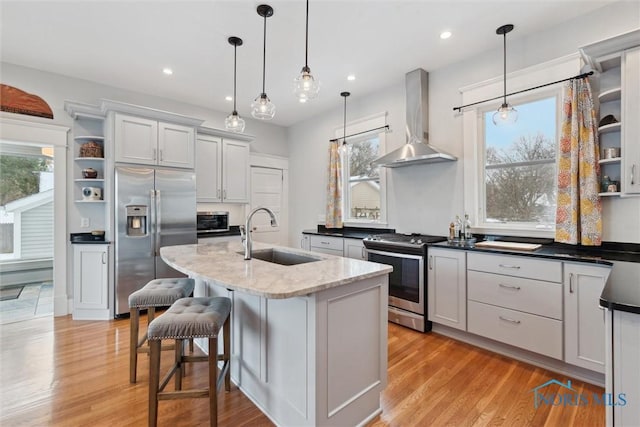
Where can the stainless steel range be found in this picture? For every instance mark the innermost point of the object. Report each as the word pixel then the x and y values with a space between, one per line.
pixel 408 281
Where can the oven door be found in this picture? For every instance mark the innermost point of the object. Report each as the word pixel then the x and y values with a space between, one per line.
pixel 406 282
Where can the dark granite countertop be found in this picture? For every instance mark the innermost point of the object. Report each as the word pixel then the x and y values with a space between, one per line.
pixel 348 232
pixel 622 291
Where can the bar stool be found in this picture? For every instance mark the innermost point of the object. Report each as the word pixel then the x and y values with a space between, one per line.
pixel 156 293
pixel 188 318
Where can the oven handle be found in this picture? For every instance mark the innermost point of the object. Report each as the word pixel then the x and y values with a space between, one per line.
pixel 393 254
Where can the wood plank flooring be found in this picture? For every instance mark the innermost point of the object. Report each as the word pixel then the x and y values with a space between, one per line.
pixel 62 372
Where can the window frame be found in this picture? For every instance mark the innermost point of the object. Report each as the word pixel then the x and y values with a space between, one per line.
pixel 473 134
pixel 356 126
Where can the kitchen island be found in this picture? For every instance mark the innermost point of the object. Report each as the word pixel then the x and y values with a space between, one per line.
pixel 308 340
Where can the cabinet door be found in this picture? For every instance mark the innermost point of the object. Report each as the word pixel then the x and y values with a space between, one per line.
pixel 208 169
pixel 354 248
pixel 175 145
pixel 630 124
pixel 626 375
pixel 447 287
pixel 235 171
pixel 136 140
pixel 90 278
pixel 584 320
pixel 305 242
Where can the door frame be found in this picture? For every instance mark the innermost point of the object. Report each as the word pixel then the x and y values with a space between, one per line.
pixel 282 163
pixel 36 133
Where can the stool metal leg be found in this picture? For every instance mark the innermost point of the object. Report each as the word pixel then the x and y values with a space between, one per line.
pixel 134 323
pixel 226 331
pixel 213 381
pixel 179 365
pixel 154 381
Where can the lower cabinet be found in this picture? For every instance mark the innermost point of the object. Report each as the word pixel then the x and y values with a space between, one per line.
pixel 584 324
pixel 91 282
pixel 623 375
pixel 305 242
pixel 354 248
pixel 326 245
pixel 447 287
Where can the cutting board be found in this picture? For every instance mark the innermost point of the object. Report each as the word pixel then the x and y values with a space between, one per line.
pixel 509 245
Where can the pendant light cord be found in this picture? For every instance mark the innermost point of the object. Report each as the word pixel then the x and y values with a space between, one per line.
pixel 235 50
pixel 306 40
pixel 344 128
pixel 504 55
pixel 264 53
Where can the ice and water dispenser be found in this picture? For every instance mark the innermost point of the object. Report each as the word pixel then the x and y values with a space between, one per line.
pixel 137 220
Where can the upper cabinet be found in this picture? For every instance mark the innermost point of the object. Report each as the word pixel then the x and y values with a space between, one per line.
pixel 150 142
pixel 617 62
pixel 222 170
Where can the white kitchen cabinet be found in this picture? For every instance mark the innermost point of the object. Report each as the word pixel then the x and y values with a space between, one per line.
pixel 623 375
pixel 149 142
pixel 91 281
pixel 447 287
pixel 326 245
pixel 584 328
pixel 222 170
pixel 631 125
pixel 354 248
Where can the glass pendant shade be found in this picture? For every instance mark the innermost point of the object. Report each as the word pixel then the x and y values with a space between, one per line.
pixel 234 122
pixel 262 108
pixel 305 87
pixel 505 115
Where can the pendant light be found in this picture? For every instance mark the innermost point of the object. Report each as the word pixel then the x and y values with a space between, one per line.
pixel 305 87
pixel 234 122
pixel 506 114
pixel 344 148
pixel 262 107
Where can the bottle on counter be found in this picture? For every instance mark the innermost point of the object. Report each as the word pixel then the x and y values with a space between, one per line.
pixel 467 227
pixel 458 228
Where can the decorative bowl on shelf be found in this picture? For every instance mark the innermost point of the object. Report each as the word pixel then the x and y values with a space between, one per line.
pixel 89 173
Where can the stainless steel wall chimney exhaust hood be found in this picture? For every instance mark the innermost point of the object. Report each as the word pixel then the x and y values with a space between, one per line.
pixel 416 150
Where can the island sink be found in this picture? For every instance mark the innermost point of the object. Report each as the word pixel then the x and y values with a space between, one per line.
pixel 281 257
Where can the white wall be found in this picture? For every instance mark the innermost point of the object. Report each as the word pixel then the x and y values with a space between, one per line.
pixel 424 198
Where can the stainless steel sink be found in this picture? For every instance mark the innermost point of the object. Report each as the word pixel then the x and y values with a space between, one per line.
pixel 278 256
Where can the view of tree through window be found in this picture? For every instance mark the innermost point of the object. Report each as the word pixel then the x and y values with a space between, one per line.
pixel 363 192
pixel 520 170
pixel 19 176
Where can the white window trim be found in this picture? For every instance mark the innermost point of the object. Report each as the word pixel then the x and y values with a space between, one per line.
pixel 361 125
pixel 473 154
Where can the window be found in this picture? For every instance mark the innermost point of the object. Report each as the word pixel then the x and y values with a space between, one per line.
pixel 362 192
pixel 519 168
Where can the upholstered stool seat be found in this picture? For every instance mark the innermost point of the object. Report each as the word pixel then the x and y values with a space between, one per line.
pixel 156 293
pixel 189 318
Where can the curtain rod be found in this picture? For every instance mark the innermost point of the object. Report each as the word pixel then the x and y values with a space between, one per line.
pixel 579 76
pixel 385 127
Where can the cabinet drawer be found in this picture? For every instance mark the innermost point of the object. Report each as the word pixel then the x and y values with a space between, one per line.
pixel 519 266
pixel 327 251
pixel 326 242
pixel 534 333
pixel 530 296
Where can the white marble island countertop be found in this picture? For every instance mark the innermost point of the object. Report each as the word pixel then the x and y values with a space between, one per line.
pixel 224 264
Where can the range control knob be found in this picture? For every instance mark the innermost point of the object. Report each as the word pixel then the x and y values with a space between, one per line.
pixel 412 241
pixel 419 241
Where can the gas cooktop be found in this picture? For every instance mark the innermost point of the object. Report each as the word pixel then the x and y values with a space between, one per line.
pixel 414 242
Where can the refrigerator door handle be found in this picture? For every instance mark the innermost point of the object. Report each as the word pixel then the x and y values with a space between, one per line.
pixel 153 218
pixel 158 221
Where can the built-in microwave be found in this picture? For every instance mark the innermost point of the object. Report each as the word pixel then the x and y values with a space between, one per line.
pixel 213 222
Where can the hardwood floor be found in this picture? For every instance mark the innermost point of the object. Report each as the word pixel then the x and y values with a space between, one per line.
pixel 63 372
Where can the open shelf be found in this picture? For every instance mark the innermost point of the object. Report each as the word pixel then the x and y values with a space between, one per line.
pixel 609 161
pixel 613 127
pixel 89 201
pixel 609 194
pixel 89 180
pixel 610 95
pixel 89 138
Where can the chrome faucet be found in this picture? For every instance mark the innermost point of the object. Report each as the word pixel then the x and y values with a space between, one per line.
pixel 245 230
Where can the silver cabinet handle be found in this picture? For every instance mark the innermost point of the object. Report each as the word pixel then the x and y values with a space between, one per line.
pixel 515 288
pixel 218 193
pixel 515 267
pixel 364 254
pixel 104 261
pixel 155 153
pixel 633 173
pixel 224 193
pixel 325 243
pixel 161 155
pixel 506 319
pixel 430 262
pixel 302 243
pixel 570 283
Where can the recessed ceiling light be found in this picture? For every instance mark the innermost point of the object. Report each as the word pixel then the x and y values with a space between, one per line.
pixel 167 71
pixel 302 100
pixel 228 98
pixel 445 35
pixel 351 77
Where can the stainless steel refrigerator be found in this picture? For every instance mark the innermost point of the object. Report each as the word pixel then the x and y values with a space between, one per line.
pixel 154 208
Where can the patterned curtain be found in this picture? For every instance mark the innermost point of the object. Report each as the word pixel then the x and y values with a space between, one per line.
pixel 579 212
pixel 334 188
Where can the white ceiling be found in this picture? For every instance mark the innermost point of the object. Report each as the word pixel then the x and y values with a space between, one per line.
pixel 126 44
